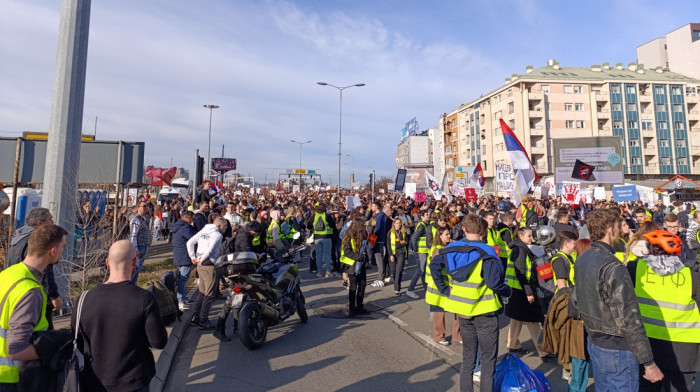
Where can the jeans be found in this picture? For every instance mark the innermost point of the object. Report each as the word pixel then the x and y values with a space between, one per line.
pixel 397 269
pixel 323 253
pixel 478 334
pixel 614 370
pixel 185 272
pixel 420 272
pixel 139 263
pixel 579 375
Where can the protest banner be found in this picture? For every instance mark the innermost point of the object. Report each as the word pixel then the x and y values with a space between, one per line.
pixel 419 197
pixel 570 192
pixel 505 179
pixel 470 194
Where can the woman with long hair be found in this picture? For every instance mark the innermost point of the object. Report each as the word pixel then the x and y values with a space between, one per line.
pixel 522 307
pixel 398 251
pixel 350 255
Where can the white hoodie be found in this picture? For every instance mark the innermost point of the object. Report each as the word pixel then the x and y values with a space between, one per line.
pixel 207 242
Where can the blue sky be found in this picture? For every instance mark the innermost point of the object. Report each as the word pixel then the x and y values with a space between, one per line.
pixel 153 64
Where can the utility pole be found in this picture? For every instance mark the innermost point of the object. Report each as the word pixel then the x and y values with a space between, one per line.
pixel 65 128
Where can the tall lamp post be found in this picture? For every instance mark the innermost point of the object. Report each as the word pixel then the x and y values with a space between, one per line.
pixel 340 123
pixel 300 144
pixel 211 109
pixel 353 167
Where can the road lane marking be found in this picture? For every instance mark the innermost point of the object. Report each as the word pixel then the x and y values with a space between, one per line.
pixel 430 341
pixel 393 318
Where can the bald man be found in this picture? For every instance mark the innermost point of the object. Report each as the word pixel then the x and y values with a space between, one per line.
pixel 117 318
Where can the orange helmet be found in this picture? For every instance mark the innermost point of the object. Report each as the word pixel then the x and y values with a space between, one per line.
pixel 670 243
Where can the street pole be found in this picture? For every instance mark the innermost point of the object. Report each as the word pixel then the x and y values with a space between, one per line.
pixel 65 128
pixel 300 144
pixel 340 123
pixel 211 109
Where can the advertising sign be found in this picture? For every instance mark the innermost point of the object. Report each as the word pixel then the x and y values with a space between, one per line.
pixel 505 180
pixel 420 197
pixel 625 193
pixel 604 153
pixel 417 176
pixel 470 194
pixel 223 164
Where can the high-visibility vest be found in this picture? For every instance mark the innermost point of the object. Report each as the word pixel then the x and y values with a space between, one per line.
pixel 17 280
pixel 422 240
pixel 343 258
pixel 527 214
pixel 666 304
pixel 292 230
pixel 503 250
pixel 394 240
pixel 432 295
pixel 621 256
pixel 327 229
pixel 472 297
pixel 256 240
pixel 570 278
pixel 511 280
pixel 491 237
pixel 269 239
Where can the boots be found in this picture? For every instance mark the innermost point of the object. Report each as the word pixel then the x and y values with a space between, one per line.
pixel 220 332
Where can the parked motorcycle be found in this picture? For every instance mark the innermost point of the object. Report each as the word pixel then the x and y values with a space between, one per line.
pixel 265 290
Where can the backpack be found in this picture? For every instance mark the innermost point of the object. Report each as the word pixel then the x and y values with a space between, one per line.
pixel 166 298
pixel 320 225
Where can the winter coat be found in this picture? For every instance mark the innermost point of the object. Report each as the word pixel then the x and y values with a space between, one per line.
pixel 562 334
pixel 518 307
pixel 200 220
pixel 182 232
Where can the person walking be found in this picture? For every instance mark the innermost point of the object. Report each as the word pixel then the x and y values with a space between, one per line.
pixel 351 254
pixel 398 251
pixel 522 307
pixel 182 231
pixel 140 235
pixel 203 248
pixel 604 298
pixel 475 293
pixel 118 354
pixel 419 243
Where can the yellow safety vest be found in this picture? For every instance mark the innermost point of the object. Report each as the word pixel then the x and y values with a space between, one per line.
pixel 327 229
pixel 292 230
pixel 273 224
pixel 570 278
pixel 472 297
pixel 511 280
pixel 256 240
pixel 422 240
pixel 492 237
pixel 523 216
pixel 432 295
pixel 343 258
pixel 666 304
pixel 394 240
pixel 22 279
pixel 503 250
pixel 621 256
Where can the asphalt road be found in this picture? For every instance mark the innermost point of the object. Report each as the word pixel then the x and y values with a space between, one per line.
pixel 391 349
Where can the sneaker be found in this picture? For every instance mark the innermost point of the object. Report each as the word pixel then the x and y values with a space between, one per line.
pixel 397 292
pixel 460 342
pixel 387 280
pixel 477 376
pixel 319 275
pixel 443 343
pixel 207 325
pixel 313 271
pixel 188 301
pixel 183 306
pixel 411 294
pixel 328 275
pixel 518 351
pixel 565 375
pixel 378 283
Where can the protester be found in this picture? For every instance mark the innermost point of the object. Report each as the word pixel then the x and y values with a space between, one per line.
pixel 352 254
pixel 139 234
pixel 419 243
pixel 398 251
pixel 182 231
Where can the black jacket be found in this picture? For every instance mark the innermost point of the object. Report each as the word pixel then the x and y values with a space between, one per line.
pixel 200 220
pixel 604 299
pixel 182 231
pixel 244 241
pixel 518 253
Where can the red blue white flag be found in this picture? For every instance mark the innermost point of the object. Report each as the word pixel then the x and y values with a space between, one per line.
pixel 478 175
pixel 525 173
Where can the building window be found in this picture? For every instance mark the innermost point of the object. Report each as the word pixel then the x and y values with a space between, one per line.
pixel 631 107
pixel 568 89
pixel 659 90
pixel 676 90
pixel 545 88
pixel 660 107
pixel 646 126
pixel 663 143
pixel 568 107
pixel 511 107
pixel 665 161
pixel 615 88
pixel 629 89
pixel 498 115
pixel 632 124
pixel 580 124
pixel 683 161
pixel 578 89
pixel 497 98
pixel 617 124
pixel 634 142
pixel 483 149
pixel 677 108
pixel 680 143
pixel 579 107
pixel 617 107
pixel 549 124
pixel 569 123
pixel 663 125
pixel 636 160
pixel 696 35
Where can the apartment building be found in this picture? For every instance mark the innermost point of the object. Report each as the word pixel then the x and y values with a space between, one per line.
pixel 415 151
pixel 678 51
pixel 656 112
pixel 448 127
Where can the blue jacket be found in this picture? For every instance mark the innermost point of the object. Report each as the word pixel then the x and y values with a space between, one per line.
pixel 182 231
pixel 380 228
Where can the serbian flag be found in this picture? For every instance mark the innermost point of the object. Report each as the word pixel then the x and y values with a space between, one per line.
pixel 160 176
pixel 212 188
pixel 583 171
pixel 219 185
pixel 525 174
pixel 478 175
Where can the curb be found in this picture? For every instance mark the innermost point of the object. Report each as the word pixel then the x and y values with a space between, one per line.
pixel 166 357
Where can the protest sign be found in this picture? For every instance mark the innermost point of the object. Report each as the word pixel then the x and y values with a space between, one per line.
pixel 505 179
pixel 570 192
pixel 470 194
pixel 419 197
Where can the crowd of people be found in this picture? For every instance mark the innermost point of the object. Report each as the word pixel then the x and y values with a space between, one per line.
pixel 623 299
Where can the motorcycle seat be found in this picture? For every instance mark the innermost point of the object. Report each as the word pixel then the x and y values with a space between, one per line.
pixel 270 268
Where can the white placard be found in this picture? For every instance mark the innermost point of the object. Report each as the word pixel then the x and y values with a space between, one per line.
pixel 505 179
pixel 409 189
pixel 599 193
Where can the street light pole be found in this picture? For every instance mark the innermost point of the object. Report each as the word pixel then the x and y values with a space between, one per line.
pixel 353 166
pixel 340 122
pixel 300 144
pixel 171 162
pixel 211 109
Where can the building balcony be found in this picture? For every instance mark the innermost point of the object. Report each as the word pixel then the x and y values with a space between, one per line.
pixel 605 131
pixel 646 97
pixel 602 96
pixel 535 96
pixel 650 149
pixel 692 98
pixel 538 150
pixel 537 130
pixel 537 113
pixel 695 150
pixel 648 133
pixel 693 115
pixel 604 114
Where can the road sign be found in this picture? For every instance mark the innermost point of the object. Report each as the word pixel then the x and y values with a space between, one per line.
pixel 311 171
pixel 300 171
pixel 459 175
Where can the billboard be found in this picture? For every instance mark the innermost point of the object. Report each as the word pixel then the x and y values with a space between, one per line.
pixel 223 164
pixel 603 152
pixel 410 129
pixel 417 176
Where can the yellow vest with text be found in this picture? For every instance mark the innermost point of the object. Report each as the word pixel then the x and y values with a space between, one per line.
pixel 472 297
pixel 327 229
pixel 511 280
pixel 422 240
pixel 666 304
pixel 432 295
pixel 9 370
pixel 503 250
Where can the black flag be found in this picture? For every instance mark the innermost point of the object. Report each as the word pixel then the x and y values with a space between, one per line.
pixel 583 171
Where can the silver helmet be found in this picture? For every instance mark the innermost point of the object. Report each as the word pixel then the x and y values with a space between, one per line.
pixel 546 235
